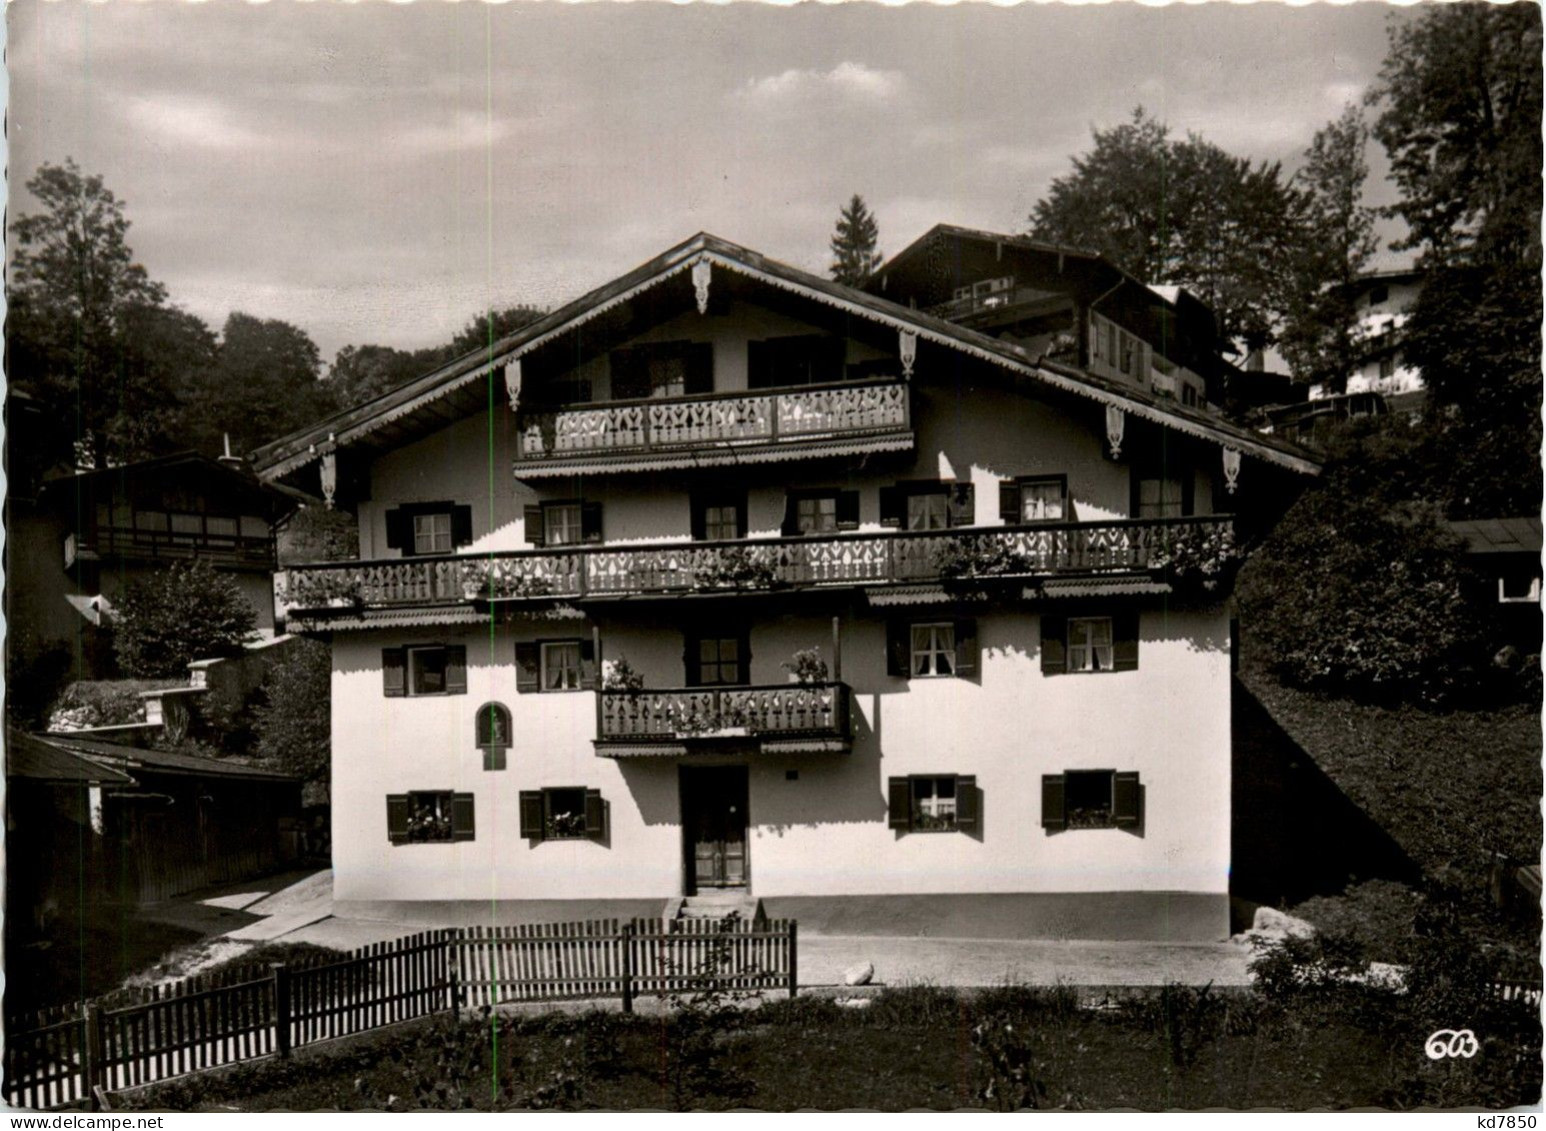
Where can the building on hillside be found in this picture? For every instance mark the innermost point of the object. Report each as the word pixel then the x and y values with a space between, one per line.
pixel 1503 556
pixel 78 541
pixel 725 578
pixel 1383 301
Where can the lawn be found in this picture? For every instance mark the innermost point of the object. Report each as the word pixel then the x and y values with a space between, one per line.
pixel 911 1048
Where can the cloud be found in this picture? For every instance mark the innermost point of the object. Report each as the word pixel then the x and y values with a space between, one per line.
pixel 848 81
pixel 184 121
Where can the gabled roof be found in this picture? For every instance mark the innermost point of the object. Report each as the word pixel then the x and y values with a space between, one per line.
pixel 188 463
pixel 466 375
pixel 36 760
pixel 118 756
pixel 1500 535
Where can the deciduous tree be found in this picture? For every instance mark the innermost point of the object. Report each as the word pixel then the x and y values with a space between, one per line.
pixel 174 616
pixel 294 715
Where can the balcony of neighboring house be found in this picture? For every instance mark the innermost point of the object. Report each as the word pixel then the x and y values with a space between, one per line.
pixel 971 557
pixel 707 429
pixel 787 718
pixel 233 541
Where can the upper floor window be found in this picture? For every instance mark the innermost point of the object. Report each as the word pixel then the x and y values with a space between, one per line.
pixel 719 516
pixel 424 669
pixel 928 512
pixel 432 533
pixel 1089 643
pixel 1161 489
pixel 427 816
pixel 924 649
pixel 662 369
pixel 425 528
pixel 1034 499
pixel 927 504
pixel 1091 799
pixel 716 659
pixel 804 359
pixel 1387 367
pixel 820 511
pixel 933 649
pixel 556 665
pixel 1378 294
pixel 564 522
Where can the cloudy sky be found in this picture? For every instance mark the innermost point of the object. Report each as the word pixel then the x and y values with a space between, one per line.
pixel 377 173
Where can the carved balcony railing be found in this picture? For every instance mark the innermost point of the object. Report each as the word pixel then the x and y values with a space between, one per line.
pixel 1197 548
pixel 659 428
pixel 775 712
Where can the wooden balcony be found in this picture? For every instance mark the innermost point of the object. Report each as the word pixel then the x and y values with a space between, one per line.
pixel 110 544
pixel 718 428
pixel 972 555
pixel 781 718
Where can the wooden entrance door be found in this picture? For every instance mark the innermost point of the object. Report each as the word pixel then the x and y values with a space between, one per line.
pixel 714 826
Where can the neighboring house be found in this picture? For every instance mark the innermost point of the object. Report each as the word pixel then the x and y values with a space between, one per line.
pixel 182 822
pixel 80 540
pixel 1504 560
pixel 1383 301
pixel 562 677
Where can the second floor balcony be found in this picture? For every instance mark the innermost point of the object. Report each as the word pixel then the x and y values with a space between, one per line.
pixel 780 717
pixel 1186 550
pixel 854 417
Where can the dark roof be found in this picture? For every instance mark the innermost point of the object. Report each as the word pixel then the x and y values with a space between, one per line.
pixel 1500 535
pixel 1024 243
pixel 162 761
pixel 289 453
pixel 32 758
pixel 190 462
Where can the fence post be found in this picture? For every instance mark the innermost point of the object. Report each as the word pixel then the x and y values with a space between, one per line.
pixel 794 966
pixel 281 1007
pixel 628 933
pixel 451 934
pixel 92 1074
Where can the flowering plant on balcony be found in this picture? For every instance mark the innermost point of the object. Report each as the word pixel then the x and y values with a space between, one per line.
pixel 488 581
pixel 980 555
pixel 620 676
pixel 562 826
pixel 688 716
pixel 428 823
pixel 735 567
pixel 321 589
pixel 807 666
pixel 1200 557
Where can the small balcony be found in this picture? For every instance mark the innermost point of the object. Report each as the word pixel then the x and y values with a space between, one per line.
pixel 717 428
pixel 103 543
pixel 1175 549
pixel 780 718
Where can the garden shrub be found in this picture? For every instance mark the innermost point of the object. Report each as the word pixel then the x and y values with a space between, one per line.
pixel 168 619
pixel 1378 915
pixel 920 1007
pixel 1013 1076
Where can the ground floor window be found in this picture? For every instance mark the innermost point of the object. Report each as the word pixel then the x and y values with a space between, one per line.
pixel 935 803
pixel 1091 799
pixel 563 813
pixel 429 815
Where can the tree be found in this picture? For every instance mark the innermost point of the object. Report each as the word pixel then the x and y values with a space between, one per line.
pixel 489 327
pixel 294 716
pixel 853 244
pixel 73 283
pixel 168 619
pixel 1181 213
pixel 360 373
pixel 1318 338
pixel 264 383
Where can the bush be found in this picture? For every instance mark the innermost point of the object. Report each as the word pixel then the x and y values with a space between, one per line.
pixel 102 703
pixel 181 614
pixel 1379 915
pixel 294 712
pixel 35 671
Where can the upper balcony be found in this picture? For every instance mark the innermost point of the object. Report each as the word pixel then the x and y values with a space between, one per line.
pixel 785 718
pixel 1174 549
pixel 716 428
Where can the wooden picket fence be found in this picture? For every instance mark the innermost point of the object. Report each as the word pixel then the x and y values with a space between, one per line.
pixel 66 1057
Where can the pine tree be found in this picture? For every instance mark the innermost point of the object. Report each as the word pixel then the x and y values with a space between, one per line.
pixel 853 244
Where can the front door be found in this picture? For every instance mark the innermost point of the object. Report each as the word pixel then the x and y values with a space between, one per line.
pixel 714 826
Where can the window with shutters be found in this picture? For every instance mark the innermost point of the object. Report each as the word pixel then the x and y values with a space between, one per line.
pixel 719 516
pixel 933 649
pixel 1041 498
pixel 432 533
pixel 928 512
pixel 429 816
pixel 934 803
pixel 816 515
pixel 561 524
pixel 564 813
pixel 435 670
pixel 561 665
pixel 927 504
pixel 1091 799
pixel 820 511
pixel 1090 644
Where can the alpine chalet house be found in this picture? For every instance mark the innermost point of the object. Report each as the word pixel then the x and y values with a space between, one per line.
pixel 894 611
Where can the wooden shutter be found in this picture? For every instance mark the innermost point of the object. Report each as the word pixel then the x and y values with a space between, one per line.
pixel 397 817
pixel 899 648
pixel 590 678
pixel 536 528
pixel 590 522
pixel 630 375
pixel 399 530
pixel 456 669
pixel 759 366
pixel 394 672
pixel 698 525
pixel 461 816
pixel 899 804
pixel 700 369
pixel 1126 800
pixel 968 659
pixel 740 515
pixel 1054 816
pixel 692 662
pixel 791 525
pixel 848 510
pixel 893 506
pixel 528 667
pixel 1124 641
pixel 461 525
pixel 595 815
pixel 1009 502
pixel 531 814
pixel 963 504
pixel 1054 645
pixel 968 805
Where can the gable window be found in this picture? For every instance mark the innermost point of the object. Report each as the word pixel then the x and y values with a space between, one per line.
pixel 719 517
pixel 820 512
pixel 662 369
pixel 563 522
pixel 934 803
pixel 1091 799
pixel 556 666
pixel 803 359
pixel 424 528
pixel 424 669
pixel 492 729
pixel 1161 489
pixel 1089 643
pixel 717 659
pixel 563 813
pixel 429 816
pixel 925 649
pixel 1042 498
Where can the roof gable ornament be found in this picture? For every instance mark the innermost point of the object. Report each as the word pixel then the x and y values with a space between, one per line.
pixel 329 470
pixel 908 348
pixel 1116 423
pixel 513 383
pixel 701 272
pixel 1231 469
